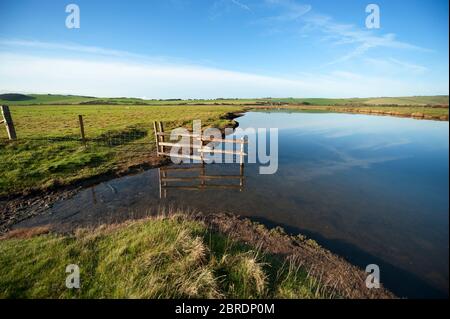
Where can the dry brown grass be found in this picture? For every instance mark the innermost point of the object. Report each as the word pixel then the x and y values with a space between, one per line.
pixel 25 233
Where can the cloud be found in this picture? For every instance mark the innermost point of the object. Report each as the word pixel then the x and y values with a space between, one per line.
pixel 55 48
pixel 346 75
pixel 121 78
pixel 220 7
pixel 290 10
pixel 65 71
pixel 391 65
pixel 241 5
pixel 324 167
pixel 305 21
pixel 66 47
pixel 347 34
pixel 376 145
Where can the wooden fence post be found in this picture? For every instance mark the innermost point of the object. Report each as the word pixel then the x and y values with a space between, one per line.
pixel 161 139
pixel 155 128
pixel 159 128
pixel 7 119
pixel 83 137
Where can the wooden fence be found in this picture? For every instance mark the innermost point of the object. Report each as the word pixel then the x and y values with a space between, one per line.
pixel 198 144
pixel 7 120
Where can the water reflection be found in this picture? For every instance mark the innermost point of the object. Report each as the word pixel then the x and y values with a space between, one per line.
pixel 195 178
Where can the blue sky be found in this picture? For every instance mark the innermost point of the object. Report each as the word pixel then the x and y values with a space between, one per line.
pixel 225 48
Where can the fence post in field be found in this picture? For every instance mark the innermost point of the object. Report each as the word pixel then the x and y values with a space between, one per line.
pixel 83 137
pixel 161 138
pixel 7 119
pixel 155 129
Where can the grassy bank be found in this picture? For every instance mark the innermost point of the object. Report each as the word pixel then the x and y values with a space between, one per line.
pixel 49 152
pixel 171 257
pixel 417 111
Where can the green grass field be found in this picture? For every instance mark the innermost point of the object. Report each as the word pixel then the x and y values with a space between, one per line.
pixel 45 99
pixel 55 99
pixel 62 120
pixel 415 100
pixel 156 258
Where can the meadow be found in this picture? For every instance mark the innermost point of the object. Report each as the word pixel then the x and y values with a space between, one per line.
pixel 45 99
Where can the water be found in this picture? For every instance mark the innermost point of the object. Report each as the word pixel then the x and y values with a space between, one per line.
pixel 372 189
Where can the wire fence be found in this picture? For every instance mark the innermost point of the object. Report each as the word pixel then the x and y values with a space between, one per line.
pixel 127 139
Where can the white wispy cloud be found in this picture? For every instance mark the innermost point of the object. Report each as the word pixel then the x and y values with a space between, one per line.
pixel 391 65
pixel 362 40
pixel 219 7
pixel 381 145
pixel 91 74
pixel 290 10
pixel 307 22
pixel 58 47
pixel 67 47
pixel 241 5
pixel 324 167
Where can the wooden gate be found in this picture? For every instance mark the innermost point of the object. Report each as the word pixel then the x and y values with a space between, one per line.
pixel 198 142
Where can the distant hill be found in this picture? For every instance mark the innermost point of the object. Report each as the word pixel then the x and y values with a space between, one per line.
pixel 414 100
pixel 55 99
pixel 15 97
pixel 45 99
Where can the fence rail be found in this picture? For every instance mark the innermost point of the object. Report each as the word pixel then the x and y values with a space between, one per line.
pixel 202 146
